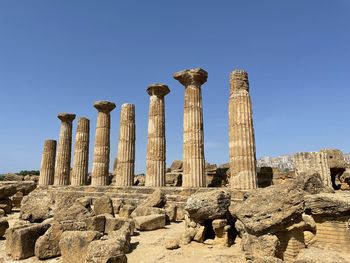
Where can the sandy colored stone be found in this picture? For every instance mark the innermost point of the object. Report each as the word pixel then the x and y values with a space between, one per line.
pixel 7 191
pixel 103 205
pixel 3 226
pixel 125 162
pixel 74 245
pixel 81 153
pixel 156 199
pixel 47 170
pixel 96 223
pixel 241 133
pixel 6 205
pixel 193 145
pixel 150 222
pixel 100 167
pixel 126 210
pixel 156 144
pixel 172 244
pixel 63 156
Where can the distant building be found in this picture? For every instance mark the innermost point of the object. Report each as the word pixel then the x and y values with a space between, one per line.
pixel 283 162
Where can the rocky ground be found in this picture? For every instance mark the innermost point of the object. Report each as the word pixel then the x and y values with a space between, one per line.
pixel 149 247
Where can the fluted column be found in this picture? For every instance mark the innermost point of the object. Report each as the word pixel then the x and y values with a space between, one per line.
pixel 81 153
pixel 156 146
pixel 63 158
pixel 193 146
pixel 100 167
pixel 125 163
pixel 241 133
pixel 47 168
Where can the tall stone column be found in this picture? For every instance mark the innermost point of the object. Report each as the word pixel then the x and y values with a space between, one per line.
pixel 81 153
pixel 241 133
pixel 47 170
pixel 193 146
pixel 63 158
pixel 100 167
pixel 156 146
pixel 125 163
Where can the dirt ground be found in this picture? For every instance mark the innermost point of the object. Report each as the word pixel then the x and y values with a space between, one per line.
pixel 149 247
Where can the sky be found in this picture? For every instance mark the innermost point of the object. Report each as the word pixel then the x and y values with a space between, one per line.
pixel 61 56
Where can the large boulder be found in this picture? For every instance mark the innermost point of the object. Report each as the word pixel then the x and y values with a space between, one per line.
pixel 7 191
pixel 74 245
pixel 103 205
pixel 208 205
pixel 47 246
pixel 20 241
pixel 328 203
pixel 156 199
pixel 268 209
pixel 4 224
pixel 150 222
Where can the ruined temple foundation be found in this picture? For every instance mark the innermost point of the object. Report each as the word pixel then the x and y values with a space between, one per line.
pixel 63 158
pixel 193 146
pixel 125 162
pixel 100 167
pixel 313 162
pixel 47 170
pixel 81 153
pixel 156 146
pixel 241 133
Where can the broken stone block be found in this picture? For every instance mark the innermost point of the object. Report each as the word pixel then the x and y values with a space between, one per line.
pixel 104 251
pixel 150 222
pixel 172 244
pixel 74 245
pixel 20 241
pixel 113 224
pixel 4 224
pixel 145 211
pixel 221 230
pixel 199 237
pixel 103 205
pixel 7 191
pixel 2 213
pixel 171 212
pixel 96 223
pixel 6 205
pixel 126 211
pixel 47 246
pixel 156 199
pixel 75 212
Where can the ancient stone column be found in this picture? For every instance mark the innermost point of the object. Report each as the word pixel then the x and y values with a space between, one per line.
pixel 311 163
pixel 100 167
pixel 156 146
pixel 241 133
pixel 193 146
pixel 63 158
pixel 81 153
pixel 47 170
pixel 125 163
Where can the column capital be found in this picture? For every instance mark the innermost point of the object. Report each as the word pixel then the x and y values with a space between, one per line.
pixel 196 76
pixel 239 80
pixel 104 106
pixel 66 117
pixel 158 89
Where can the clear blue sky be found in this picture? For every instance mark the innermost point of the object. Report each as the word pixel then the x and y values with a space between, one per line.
pixel 61 56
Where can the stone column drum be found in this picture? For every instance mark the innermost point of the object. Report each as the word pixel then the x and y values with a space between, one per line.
pixel 156 146
pixel 125 163
pixel 63 158
pixel 193 146
pixel 100 166
pixel 81 153
pixel 241 133
pixel 47 170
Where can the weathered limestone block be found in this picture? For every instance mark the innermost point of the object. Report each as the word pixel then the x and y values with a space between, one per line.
pixel 317 255
pixel 63 157
pixel 193 146
pixel 106 251
pixel 6 205
pixel 172 244
pixel 4 224
pixel 125 162
pixel 335 158
pixel 145 211
pixel 221 229
pixel 113 224
pixel 103 205
pixel 241 133
pixel 210 205
pixel 2 213
pixel 74 245
pixel 156 149
pixel 75 212
pixel 257 247
pixel 156 199
pixel 47 246
pixel 171 212
pixel 150 222
pixel 328 204
pixel 312 163
pixel 81 153
pixel 176 166
pixel 100 167
pixel 126 210
pixel 20 241
pixel 7 191
pixel 47 170
pixel 96 223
